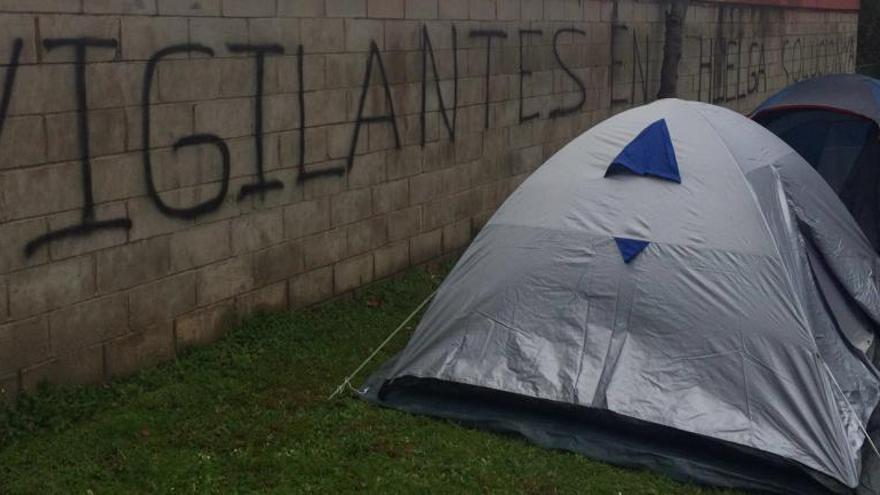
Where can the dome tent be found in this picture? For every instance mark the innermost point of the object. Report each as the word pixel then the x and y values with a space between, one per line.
pixel 667 291
pixel 832 121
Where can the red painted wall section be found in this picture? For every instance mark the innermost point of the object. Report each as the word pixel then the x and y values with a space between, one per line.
pixel 802 4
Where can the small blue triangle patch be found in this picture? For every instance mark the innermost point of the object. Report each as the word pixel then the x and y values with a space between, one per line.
pixel 630 248
pixel 650 153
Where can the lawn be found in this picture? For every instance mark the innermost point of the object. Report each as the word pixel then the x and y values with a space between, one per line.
pixel 250 414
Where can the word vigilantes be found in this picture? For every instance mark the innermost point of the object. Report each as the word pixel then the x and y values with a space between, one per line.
pixel 755 65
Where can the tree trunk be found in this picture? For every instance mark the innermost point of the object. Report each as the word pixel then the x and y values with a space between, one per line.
pixel 672 49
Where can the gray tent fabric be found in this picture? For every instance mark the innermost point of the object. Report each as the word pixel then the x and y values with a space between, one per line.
pixel 832 122
pixel 729 350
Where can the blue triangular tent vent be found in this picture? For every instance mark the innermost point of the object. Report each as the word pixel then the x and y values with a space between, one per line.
pixel 650 153
pixel 630 248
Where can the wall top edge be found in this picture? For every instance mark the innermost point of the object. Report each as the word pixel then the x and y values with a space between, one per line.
pixel 845 5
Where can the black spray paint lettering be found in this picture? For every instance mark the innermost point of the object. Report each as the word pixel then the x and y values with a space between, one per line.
pixel 488 34
pixel 795 55
pixel 639 71
pixel 428 50
pixel 756 72
pixel 616 63
pixel 9 81
pixel 261 185
pixel 563 111
pixel 87 224
pixel 374 56
pixel 193 140
pixel 523 73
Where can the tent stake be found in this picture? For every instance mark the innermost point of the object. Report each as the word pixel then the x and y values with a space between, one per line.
pixel 347 381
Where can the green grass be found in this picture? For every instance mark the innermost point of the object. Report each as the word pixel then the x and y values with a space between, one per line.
pixel 250 414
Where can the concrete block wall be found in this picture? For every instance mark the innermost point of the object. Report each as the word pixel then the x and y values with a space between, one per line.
pixel 168 166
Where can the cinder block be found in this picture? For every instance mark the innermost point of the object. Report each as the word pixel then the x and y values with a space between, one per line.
pixel 215 33
pixel 115 84
pixel 301 8
pixel 427 246
pixel 148 221
pixel 339 141
pixel 288 73
pixel 23 142
pixel 305 218
pixel 18 27
pixel 346 8
pixel 200 245
pixel 129 7
pixel 249 8
pixel 323 249
pixel 403 35
pixel 359 33
pixel 391 259
pixel 366 235
pixel 205 325
pixel 46 287
pixel 266 299
pixel 439 155
pixel 40 6
pixel 106 134
pixel 326 107
pixel 353 273
pixel 346 70
pixel 437 213
pixel 350 206
pixel 403 224
pixel 88 323
pixel 385 9
pixel 224 280
pixel 41 190
pixel 311 287
pixel 456 235
pixel 422 9
pixel 482 10
pixel 281 113
pixel 533 10
pixel 226 118
pixel 78 26
pixel 326 185
pixel 77 368
pixel 390 196
pixel 14 236
pixel 257 231
pixel 128 354
pixel 23 343
pixel 427 186
pixel 42 88
pixel 118 177
pixel 404 163
pixel 142 37
pixel 70 246
pixel 162 301
pixel 133 264
pixel 508 10
pixel 277 263
pixel 168 123
pixel 458 9
pixel 200 8
pixel 322 35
